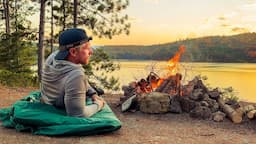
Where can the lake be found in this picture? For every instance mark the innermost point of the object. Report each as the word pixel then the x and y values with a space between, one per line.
pixel 241 76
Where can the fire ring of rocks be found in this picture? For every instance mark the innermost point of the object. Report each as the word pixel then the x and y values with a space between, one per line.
pixel 156 95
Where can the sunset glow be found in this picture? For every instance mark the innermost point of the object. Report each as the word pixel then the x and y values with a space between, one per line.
pixel 162 21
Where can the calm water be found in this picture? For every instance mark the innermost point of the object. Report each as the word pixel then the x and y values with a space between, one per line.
pixel 242 77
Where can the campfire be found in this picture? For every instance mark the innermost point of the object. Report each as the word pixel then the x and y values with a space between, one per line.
pixel 155 94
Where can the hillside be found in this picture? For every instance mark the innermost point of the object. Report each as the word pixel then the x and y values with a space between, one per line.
pixel 236 48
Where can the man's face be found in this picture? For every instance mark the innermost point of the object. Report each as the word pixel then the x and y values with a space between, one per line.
pixel 84 53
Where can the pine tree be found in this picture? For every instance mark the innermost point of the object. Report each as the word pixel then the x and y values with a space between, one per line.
pixel 17 51
pixel 99 67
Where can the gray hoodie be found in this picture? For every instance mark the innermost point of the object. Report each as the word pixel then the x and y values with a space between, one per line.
pixel 64 85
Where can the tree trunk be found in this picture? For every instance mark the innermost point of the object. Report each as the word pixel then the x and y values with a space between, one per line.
pixel 41 40
pixel 7 16
pixel 16 18
pixel 64 14
pixel 51 26
pixel 75 13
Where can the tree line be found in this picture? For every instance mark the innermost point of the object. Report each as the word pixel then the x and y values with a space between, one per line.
pixel 236 48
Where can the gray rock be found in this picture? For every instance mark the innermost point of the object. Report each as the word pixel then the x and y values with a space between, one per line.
pixel 200 112
pixel 155 102
pixel 204 103
pixel 197 95
pixel 218 116
pixel 175 104
pixel 187 104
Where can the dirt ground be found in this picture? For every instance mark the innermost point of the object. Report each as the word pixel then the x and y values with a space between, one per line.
pixel 139 128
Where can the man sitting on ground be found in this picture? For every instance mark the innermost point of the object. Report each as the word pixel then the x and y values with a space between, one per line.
pixel 64 83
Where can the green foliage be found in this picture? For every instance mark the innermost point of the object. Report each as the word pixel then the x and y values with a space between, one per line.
pixel 22 79
pixel 102 17
pixel 229 94
pixel 237 48
pixel 17 51
pixel 16 58
pixel 99 67
pixel 19 11
pixel 16 54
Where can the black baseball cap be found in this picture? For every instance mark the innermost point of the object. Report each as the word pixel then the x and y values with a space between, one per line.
pixel 71 38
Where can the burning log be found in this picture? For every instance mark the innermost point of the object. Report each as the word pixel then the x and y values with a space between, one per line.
pixel 231 113
pixel 188 89
pixel 171 85
pixel 162 86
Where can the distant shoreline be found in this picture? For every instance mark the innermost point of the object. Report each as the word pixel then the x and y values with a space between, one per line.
pixel 182 61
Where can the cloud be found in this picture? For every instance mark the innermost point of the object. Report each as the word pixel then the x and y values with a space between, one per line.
pixel 240 30
pixel 133 19
pixel 241 19
pixel 249 18
pixel 152 1
pixel 248 7
pixel 225 25
pixel 222 18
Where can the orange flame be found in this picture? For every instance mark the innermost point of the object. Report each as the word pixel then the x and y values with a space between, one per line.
pixel 172 63
pixel 157 83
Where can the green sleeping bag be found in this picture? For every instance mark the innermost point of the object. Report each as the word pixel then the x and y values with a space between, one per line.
pixel 28 114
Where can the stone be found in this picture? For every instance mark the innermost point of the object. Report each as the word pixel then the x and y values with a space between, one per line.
pixel 204 103
pixel 175 104
pixel 213 104
pixel 218 116
pixel 187 104
pixel 214 94
pixel 197 95
pixel 155 102
pixel 200 112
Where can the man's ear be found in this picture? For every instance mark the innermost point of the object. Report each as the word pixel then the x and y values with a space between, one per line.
pixel 72 52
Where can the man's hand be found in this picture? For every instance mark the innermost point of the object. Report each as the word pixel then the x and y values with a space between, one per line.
pixel 96 97
pixel 100 101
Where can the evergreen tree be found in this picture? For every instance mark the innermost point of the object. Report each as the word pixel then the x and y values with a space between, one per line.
pixel 17 51
pixel 99 67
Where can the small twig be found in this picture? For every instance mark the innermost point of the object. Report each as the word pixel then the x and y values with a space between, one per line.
pixel 210 134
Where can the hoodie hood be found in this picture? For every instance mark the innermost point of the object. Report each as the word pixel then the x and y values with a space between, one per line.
pixel 57 69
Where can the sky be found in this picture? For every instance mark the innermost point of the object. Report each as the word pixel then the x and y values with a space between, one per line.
pixel 163 21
